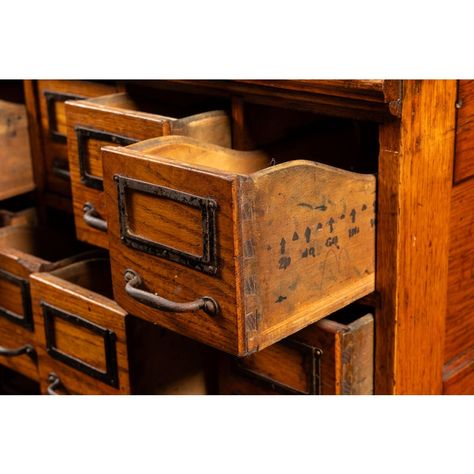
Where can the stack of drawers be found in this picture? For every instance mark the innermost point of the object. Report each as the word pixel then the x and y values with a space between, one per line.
pixel 196 265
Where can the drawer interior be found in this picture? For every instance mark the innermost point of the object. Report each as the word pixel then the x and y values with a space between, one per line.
pixel 92 274
pixel 44 243
pixel 152 105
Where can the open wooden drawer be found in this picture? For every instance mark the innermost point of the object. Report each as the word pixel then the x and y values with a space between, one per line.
pixel 218 245
pixel 52 95
pixel 87 344
pixel 23 250
pixel 123 119
pixel 334 356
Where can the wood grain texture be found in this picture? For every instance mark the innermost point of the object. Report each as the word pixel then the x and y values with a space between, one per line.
pixel 80 292
pixel 458 374
pixel 346 362
pixel 15 159
pixel 414 190
pixel 460 310
pixel 120 114
pixel 295 242
pixel 55 152
pixel 464 160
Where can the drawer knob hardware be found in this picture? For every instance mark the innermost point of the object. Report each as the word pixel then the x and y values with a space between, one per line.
pixel 91 217
pixel 54 382
pixel 133 281
pixel 27 349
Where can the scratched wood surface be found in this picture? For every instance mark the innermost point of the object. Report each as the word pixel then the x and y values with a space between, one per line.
pixel 346 361
pixel 127 116
pixel 54 152
pixel 414 191
pixel 295 242
pixel 15 161
pixel 308 234
pixel 458 374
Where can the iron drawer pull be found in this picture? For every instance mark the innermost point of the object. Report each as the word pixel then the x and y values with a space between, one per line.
pixel 133 281
pixel 61 171
pixel 54 382
pixel 27 349
pixel 91 217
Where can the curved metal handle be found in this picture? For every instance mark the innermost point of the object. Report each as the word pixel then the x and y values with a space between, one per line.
pixel 60 170
pixel 91 217
pixel 54 382
pixel 133 280
pixel 27 349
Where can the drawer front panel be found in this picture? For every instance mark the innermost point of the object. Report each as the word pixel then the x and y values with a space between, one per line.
pixel 18 349
pixel 327 358
pixel 188 269
pixel 15 302
pixel 82 337
pixel 81 344
pixel 52 97
pixel 91 128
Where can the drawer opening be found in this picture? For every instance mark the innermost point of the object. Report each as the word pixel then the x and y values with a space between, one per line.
pixel 43 243
pixel 291 134
pixel 92 274
pixel 151 105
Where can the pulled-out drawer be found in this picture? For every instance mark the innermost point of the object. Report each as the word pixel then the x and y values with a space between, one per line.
pixel 122 119
pixel 52 95
pixel 16 175
pixel 23 250
pixel 334 356
pixel 222 247
pixel 87 344
pixel 27 216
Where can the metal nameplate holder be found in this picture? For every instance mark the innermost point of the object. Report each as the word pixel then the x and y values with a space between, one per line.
pixel 313 357
pixel 51 99
pixel 110 376
pixel 84 134
pixel 25 320
pixel 207 262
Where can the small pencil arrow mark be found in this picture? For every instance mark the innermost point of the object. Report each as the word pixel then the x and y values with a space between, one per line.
pixel 295 236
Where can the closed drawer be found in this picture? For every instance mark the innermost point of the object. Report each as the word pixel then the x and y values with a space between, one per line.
pixel 16 175
pixel 331 357
pixel 23 250
pixel 219 246
pixel 87 344
pixel 52 95
pixel 122 119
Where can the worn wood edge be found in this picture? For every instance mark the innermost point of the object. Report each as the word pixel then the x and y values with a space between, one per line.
pixel 312 313
pixel 77 292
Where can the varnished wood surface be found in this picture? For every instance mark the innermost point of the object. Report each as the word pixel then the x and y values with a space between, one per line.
pixel 414 190
pixel 346 362
pixel 330 242
pixel 16 175
pixel 460 309
pixel 458 374
pixel 53 150
pixel 121 115
pixel 464 159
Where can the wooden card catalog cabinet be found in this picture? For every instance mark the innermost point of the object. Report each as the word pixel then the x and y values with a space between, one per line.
pixel 222 247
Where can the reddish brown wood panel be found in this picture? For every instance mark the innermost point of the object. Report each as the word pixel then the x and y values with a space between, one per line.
pixel 460 311
pixel 458 374
pixel 464 160
pixel 414 191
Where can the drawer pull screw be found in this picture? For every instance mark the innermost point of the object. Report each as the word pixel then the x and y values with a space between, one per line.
pixel 133 281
